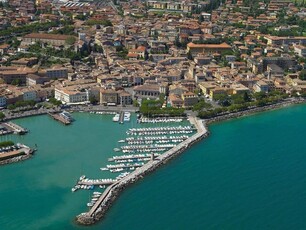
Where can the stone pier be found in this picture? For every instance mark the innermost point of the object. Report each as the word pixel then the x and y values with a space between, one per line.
pixel 109 195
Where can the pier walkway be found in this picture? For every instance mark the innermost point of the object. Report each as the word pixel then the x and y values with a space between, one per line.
pixel 15 128
pixel 59 118
pixel 131 157
pixel 96 182
pixel 102 204
pixel 121 118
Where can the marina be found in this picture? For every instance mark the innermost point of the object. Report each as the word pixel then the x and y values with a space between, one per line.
pixel 122 117
pixel 131 157
pixel 86 184
pixel 103 112
pixel 61 178
pixel 98 210
pixel 161 130
pixel 116 118
pixel 159 120
pixel 124 166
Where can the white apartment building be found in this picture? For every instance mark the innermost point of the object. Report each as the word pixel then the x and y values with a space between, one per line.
pixel 67 96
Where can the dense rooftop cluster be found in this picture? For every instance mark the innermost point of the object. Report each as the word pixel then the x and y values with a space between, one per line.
pixel 200 55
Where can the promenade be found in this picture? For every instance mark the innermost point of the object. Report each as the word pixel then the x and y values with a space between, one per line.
pixel 109 195
pixel 75 108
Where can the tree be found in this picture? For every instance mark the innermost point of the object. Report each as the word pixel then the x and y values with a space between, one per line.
pixel 135 103
pixel 70 40
pixel 222 99
pixel 16 82
pixel 246 97
pixel 162 98
pixel 6 143
pixel 11 107
pixel 302 74
pixel 201 105
pixel 2 116
pixel 201 18
pixel 54 101
pixel 260 95
pixel 99 22
pixel 93 100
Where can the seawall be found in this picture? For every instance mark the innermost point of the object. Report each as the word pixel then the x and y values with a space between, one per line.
pixel 105 201
pixel 15 159
pixel 228 116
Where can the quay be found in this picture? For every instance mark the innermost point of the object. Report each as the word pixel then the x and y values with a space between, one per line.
pixel 59 118
pixel 14 128
pixel 105 201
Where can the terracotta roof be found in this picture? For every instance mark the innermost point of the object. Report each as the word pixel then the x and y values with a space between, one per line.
pixel 209 46
pixel 4 46
pixel 141 48
pixel 132 55
pixel 47 36
pixel 146 88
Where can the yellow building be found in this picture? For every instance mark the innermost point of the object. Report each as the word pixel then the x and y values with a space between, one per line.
pixel 206 87
pixel 217 91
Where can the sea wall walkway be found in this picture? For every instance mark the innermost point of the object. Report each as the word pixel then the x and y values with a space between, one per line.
pixel 109 195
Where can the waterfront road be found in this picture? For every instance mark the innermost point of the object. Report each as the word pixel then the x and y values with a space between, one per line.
pixel 86 108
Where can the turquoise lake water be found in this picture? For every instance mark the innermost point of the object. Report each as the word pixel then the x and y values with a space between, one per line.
pixel 249 174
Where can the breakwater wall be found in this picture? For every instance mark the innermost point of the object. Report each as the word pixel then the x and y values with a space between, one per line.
pixel 228 116
pixel 15 159
pixel 105 201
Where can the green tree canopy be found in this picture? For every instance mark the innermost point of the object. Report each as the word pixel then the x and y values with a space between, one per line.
pixel 70 40
pixel 302 74
pixel 2 116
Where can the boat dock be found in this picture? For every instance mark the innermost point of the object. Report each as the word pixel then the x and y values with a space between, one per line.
pixel 16 129
pixel 125 166
pixel 59 118
pixel 15 153
pixel 156 138
pixel 121 119
pixel 96 182
pixel 104 202
pixel 131 157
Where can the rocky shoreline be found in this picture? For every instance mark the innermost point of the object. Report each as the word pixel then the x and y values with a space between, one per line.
pixel 15 159
pixel 228 116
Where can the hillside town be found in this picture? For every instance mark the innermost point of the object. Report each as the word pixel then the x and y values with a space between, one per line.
pixel 162 56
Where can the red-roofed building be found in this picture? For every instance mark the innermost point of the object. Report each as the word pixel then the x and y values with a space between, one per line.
pixel 195 49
